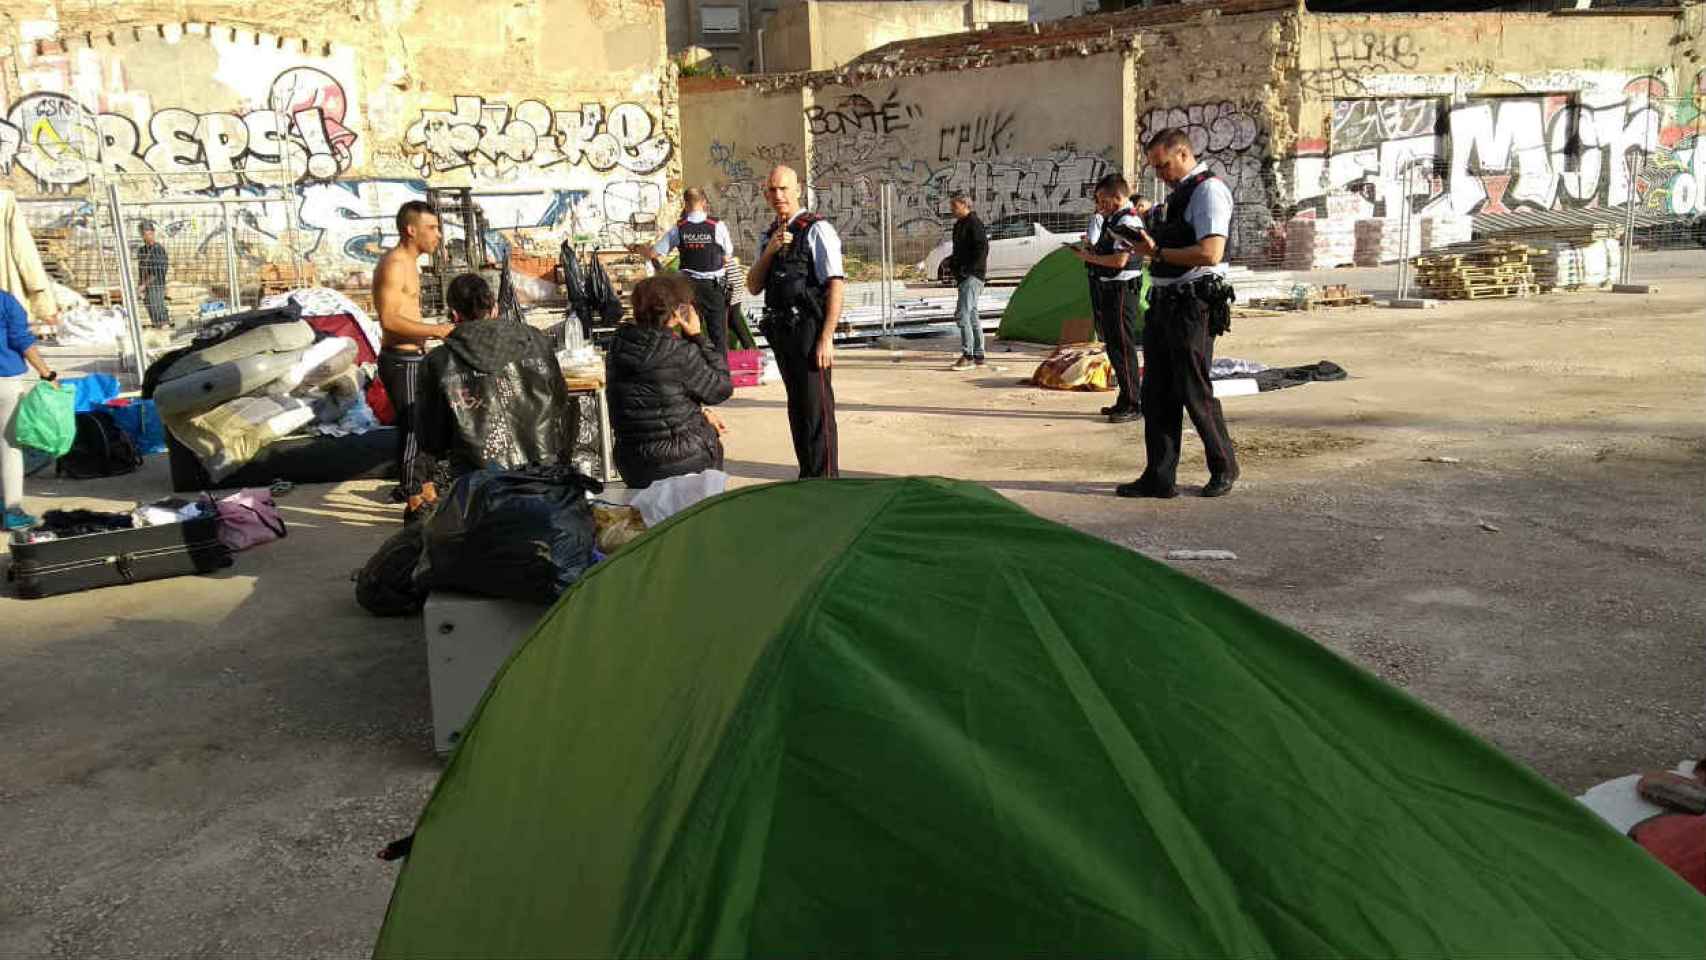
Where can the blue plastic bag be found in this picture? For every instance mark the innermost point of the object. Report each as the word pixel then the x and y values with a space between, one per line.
pixel 92 390
pixel 141 422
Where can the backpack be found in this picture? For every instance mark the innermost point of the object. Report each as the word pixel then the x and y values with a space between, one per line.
pixel 100 449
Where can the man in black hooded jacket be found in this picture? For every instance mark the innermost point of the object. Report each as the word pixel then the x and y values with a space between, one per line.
pixel 493 394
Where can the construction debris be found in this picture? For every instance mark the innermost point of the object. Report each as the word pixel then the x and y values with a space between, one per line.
pixel 1309 297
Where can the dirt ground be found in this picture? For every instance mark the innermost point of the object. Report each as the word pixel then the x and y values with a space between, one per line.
pixel 206 766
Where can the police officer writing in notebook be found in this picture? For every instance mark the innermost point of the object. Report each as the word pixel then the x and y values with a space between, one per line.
pixel 705 250
pixel 799 272
pixel 1116 284
pixel 1190 303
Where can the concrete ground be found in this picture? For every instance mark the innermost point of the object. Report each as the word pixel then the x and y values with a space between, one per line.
pixel 206 766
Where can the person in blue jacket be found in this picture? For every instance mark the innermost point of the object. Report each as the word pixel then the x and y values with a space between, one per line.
pixel 18 354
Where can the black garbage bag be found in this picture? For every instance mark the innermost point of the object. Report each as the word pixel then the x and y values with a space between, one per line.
pixel 385 586
pixel 574 288
pixel 525 534
pixel 602 295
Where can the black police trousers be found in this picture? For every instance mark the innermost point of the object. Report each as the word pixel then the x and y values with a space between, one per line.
pixel 811 394
pixel 1178 351
pixel 1114 306
pixel 712 303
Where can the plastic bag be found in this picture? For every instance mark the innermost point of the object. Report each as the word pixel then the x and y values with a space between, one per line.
pixel 385 585
pixel 525 534
pixel 47 419
pixel 141 422
pixel 671 495
pixel 617 525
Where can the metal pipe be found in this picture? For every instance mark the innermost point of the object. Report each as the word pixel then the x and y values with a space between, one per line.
pixel 234 293
pixel 127 284
pixel 1633 171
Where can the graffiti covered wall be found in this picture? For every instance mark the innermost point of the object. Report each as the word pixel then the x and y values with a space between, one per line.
pixel 1025 139
pixel 342 130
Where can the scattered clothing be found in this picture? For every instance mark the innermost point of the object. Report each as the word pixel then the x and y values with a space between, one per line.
pixel 77 523
pixel 1076 366
pixel 1226 368
pixel 171 510
pixel 1280 378
pixel 21 271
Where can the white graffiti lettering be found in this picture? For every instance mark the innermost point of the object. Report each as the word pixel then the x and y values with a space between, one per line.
pixel 497 141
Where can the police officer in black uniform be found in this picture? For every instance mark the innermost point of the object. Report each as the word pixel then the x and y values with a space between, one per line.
pixel 705 248
pixel 1190 304
pixel 1116 287
pixel 799 272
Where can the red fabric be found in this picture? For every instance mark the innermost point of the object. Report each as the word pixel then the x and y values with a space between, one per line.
pixel 1678 840
pixel 344 325
pixel 380 401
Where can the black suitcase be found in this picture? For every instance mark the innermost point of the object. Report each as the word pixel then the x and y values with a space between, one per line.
pixel 70 564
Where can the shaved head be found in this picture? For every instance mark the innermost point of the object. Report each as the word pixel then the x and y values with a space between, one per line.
pixel 782 189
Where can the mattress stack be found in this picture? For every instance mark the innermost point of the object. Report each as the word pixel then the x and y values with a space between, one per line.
pixel 251 379
pixel 1322 243
pixel 1443 231
pixel 1380 240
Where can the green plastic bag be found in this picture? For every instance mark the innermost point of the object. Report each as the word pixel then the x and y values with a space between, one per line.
pixel 47 419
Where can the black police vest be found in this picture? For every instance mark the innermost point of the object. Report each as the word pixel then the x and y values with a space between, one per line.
pixel 1105 244
pixel 1175 232
pixel 792 288
pixel 700 251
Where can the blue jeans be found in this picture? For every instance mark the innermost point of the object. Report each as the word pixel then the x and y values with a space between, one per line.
pixel 971 331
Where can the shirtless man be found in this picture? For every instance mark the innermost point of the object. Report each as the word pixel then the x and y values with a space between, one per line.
pixel 397 298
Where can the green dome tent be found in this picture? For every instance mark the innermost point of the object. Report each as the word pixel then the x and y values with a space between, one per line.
pixel 1054 291
pixel 908 718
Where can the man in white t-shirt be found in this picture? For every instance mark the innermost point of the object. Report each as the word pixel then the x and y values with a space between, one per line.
pixel 706 248
pixel 1190 305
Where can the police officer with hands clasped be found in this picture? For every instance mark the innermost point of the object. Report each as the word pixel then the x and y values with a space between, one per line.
pixel 1190 305
pixel 705 248
pixel 1116 285
pixel 799 272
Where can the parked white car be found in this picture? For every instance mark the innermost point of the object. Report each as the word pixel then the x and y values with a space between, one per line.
pixel 1016 243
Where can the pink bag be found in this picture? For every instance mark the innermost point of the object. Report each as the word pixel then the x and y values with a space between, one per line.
pixel 249 518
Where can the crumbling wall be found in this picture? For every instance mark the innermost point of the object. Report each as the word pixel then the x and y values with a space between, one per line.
pixel 1222 80
pixel 568 106
pixel 1023 139
pixel 1501 113
pixel 732 135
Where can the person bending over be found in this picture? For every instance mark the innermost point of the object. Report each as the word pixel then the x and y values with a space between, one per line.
pixel 661 373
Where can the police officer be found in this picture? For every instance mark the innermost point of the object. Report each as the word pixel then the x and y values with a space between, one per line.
pixel 1190 305
pixel 1116 285
pixel 799 272
pixel 705 250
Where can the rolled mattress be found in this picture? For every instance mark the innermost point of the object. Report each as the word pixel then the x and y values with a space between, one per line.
pixel 267 338
pixel 203 390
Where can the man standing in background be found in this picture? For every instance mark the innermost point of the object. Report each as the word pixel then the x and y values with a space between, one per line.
pixel 705 247
pixel 151 265
pixel 969 263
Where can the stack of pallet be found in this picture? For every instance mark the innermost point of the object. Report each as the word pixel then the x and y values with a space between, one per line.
pixel 1480 270
pixel 54 248
pixel 1322 243
pixel 1444 231
pixel 1380 240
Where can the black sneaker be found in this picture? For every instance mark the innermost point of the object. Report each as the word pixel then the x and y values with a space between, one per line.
pixel 1126 415
pixel 1143 488
pixel 1219 486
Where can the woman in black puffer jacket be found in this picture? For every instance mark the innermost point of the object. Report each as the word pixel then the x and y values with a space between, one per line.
pixel 659 383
